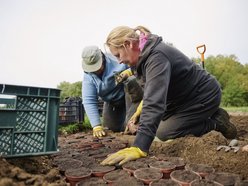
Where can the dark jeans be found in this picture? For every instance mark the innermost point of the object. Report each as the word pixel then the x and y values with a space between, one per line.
pixel 194 118
pixel 116 114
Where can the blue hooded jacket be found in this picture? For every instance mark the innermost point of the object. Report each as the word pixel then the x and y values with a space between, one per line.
pixel 104 87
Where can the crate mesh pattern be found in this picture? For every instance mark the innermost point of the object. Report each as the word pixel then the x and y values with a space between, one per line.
pixel 28 143
pixel 5 141
pixel 26 103
pixel 30 121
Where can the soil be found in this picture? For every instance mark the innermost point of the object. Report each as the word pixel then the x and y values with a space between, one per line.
pixel 163 165
pixel 202 170
pixel 184 176
pixel 202 150
pixel 101 170
pixel 204 183
pixel 40 170
pixel 114 176
pixel 179 162
pixel 69 164
pixel 130 181
pixel 134 165
pixel 78 172
pixel 164 182
pixel 93 181
pixel 227 179
pixel 243 183
pixel 148 175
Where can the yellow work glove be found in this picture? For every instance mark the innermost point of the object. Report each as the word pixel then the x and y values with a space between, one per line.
pixel 123 76
pixel 132 123
pixel 136 115
pixel 98 131
pixel 124 155
pixel 126 73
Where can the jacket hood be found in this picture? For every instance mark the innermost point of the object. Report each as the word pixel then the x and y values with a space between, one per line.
pixel 152 42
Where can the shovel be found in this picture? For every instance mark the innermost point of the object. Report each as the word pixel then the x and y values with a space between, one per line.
pixel 201 50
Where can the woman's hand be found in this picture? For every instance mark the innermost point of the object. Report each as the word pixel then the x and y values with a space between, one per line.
pixel 124 155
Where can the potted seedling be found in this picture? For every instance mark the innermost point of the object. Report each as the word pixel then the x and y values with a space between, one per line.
pixel 147 175
pixel 204 182
pixel 92 181
pixel 131 166
pixel 201 169
pixel 100 171
pixel 184 177
pixel 130 181
pixel 69 164
pixel 77 174
pixel 179 162
pixel 165 167
pixel 164 182
pixel 224 178
pixel 115 176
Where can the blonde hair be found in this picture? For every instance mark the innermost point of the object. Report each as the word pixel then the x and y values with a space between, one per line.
pixel 119 35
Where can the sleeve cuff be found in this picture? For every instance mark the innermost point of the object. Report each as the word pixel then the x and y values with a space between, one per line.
pixel 143 142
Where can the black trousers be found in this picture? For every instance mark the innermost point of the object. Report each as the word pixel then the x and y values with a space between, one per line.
pixel 193 118
pixel 117 114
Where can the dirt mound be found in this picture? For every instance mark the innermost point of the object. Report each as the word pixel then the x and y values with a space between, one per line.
pixel 203 150
pixel 29 171
pixel 41 171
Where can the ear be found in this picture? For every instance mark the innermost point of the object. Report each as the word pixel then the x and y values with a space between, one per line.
pixel 128 44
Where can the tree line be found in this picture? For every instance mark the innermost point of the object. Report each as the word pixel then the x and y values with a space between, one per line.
pixel 231 74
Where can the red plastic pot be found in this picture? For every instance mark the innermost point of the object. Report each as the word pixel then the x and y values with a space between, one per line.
pixel 164 182
pixel 184 177
pixel 147 175
pixel 92 181
pixel 204 182
pixel 115 176
pixel 179 162
pixel 165 167
pixel 76 175
pixel 130 181
pixel 65 164
pixel 224 178
pixel 100 171
pixel 131 166
pixel 200 169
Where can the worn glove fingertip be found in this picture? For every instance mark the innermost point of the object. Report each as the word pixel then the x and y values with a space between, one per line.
pixel 124 161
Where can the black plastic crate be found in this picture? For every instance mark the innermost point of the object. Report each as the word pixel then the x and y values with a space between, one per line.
pixel 71 111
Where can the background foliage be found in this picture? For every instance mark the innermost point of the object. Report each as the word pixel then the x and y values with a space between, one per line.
pixel 232 75
pixel 70 89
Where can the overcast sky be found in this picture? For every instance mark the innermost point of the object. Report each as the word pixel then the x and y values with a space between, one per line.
pixel 41 40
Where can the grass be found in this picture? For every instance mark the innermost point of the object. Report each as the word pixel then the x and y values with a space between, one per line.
pixel 72 128
pixel 69 128
pixel 236 109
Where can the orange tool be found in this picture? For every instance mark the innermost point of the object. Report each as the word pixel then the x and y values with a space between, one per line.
pixel 201 50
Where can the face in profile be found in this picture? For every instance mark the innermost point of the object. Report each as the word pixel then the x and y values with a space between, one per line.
pixel 127 54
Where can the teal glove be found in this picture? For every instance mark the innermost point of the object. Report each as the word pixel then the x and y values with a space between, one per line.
pixel 124 155
pixel 98 131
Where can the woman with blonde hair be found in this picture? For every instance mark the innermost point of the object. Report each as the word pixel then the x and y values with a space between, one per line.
pixel 180 98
